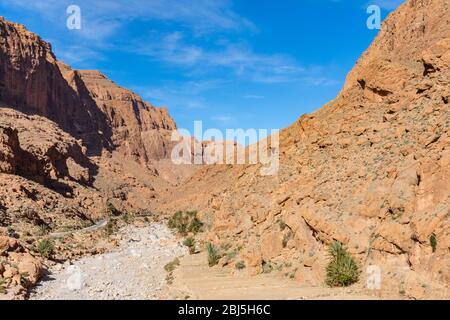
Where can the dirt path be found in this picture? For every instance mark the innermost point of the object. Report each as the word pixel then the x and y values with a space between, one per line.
pixel 135 270
pixel 99 225
pixel 193 279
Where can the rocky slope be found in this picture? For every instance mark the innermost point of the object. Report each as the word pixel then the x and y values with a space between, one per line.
pixel 45 184
pixel 370 169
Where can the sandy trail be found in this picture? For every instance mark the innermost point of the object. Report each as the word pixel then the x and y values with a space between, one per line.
pixel 193 279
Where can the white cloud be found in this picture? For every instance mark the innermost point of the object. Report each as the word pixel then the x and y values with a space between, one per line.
pixel 102 18
pixel 185 95
pixel 240 59
pixel 79 55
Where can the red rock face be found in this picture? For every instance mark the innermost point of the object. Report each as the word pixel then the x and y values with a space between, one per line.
pixel 84 103
pixel 370 169
pixel 31 82
pixel 35 148
pixel 139 130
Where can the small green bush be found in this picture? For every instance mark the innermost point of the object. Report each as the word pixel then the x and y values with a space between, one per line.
pixel 46 248
pixel 433 242
pixel 43 230
pixel 240 265
pixel 24 279
pixel 213 255
pixel 342 271
pixel 185 222
pixel 195 226
pixel 111 227
pixel 171 266
pixel 111 210
pixel 190 243
pixel 2 286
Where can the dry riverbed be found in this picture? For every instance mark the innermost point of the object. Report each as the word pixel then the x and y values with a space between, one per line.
pixel 134 270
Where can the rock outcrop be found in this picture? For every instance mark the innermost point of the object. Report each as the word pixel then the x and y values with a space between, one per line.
pixel 45 178
pixel 19 269
pixel 370 169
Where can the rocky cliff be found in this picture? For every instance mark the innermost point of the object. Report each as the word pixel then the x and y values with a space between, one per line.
pixel 85 104
pixel 370 169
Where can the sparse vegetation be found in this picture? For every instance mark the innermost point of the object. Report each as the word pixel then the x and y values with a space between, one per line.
pixel 190 243
pixel 213 255
pixel 2 286
pixel 282 224
pixel 267 267
pixel 111 210
pixel 126 218
pixel 12 233
pixel 433 242
pixel 43 230
pixel 240 265
pixel 46 248
pixel 286 238
pixel 185 222
pixel 110 227
pixel 171 266
pixel 342 271
pixel 232 254
pixel 169 278
pixel 24 279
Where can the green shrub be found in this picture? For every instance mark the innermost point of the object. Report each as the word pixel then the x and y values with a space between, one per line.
pixel 195 226
pixel 24 279
pixel 190 243
pixel 43 230
pixel 232 254
pixel 46 248
pixel 111 227
pixel 185 222
pixel 240 265
pixel 342 271
pixel 282 225
pixel 111 210
pixel 213 255
pixel 2 286
pixel 433 242
pixel 179 222
pixel 171 266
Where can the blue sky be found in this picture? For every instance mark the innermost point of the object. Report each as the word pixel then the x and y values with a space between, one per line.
pixel 230 63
